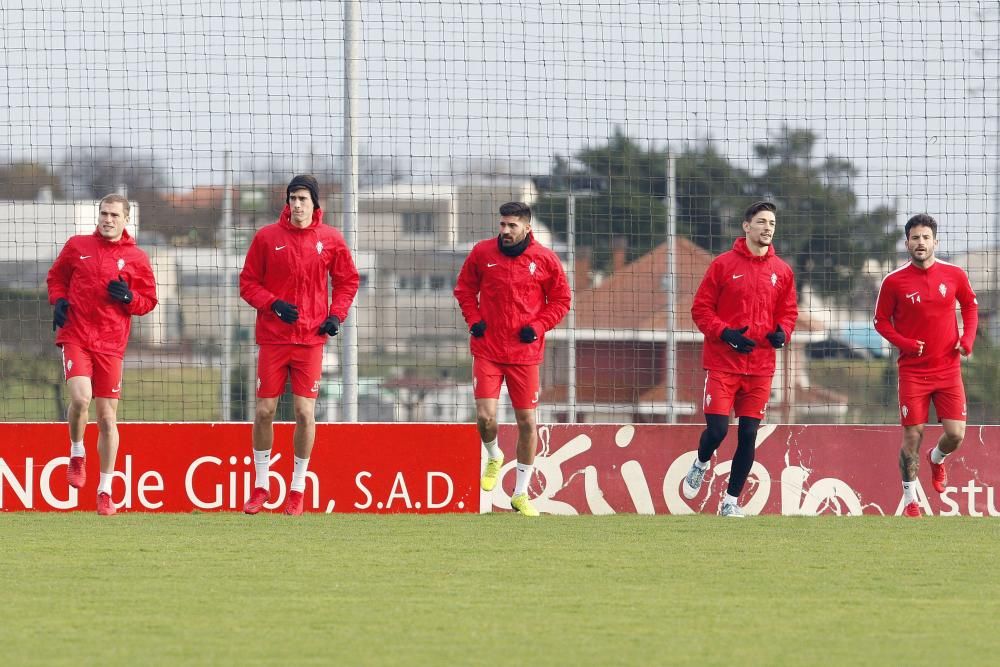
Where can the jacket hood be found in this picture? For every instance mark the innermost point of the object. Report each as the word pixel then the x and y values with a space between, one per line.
pixel 126 238
pixel 741 247
pixel 285 220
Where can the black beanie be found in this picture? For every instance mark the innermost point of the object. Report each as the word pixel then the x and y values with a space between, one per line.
pixel 304 181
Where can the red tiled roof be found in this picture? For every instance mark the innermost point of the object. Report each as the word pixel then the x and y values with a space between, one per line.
pixel 203 196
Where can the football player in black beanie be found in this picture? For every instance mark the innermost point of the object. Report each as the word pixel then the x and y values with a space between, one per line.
pixel 304 181
pixel 290 269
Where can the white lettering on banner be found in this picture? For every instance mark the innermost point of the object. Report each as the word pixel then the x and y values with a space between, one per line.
pixel 755 493
pixel 149 481
pixel 189 484
pixel 825 495
pixel 45 486
pixel 592 490
pixel 363 489
pixel 624 435
pixel 23 492
pixel 632 473
pixel 431 476
pixel 990 507
pixel 399 493
pixel 142 488
pixel 236 487
pixel 946 498
pixel 549 467
pixel 921 498
pixel 126 478
pixel 828 493
pixel 638 488
pixel 971 490
pixel 671 485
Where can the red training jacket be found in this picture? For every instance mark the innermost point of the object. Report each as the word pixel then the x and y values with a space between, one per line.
pixel 919 304
pixel 740 290
pixel 509 293
pixel 292 264
pixel 81 273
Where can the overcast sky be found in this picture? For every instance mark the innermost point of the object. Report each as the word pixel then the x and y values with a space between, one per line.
pixel 896 87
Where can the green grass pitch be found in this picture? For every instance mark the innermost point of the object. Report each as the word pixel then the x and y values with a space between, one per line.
pixel 216 589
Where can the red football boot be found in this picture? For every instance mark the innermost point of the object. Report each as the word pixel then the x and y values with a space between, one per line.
pixel 76 472
pixel 104 505
pixel 258 497
pixel 293 506
pixel 939 476
pixel 912 509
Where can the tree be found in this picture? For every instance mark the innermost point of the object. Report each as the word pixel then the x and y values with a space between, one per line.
pixel 711 197
pixel 821 232
pixel 24 181
pixel 628 186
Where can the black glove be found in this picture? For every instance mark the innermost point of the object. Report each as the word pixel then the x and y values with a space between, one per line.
pixel 478 330
pixel 777 338
pixel 285 311
pixel 737 340
pixel 119 291
pixel 60 313
pixel 528 334
pixel 330 326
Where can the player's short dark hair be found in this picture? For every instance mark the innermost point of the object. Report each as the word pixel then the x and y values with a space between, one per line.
pixel 516 209
pixel 757 207
pixel 920 220
pixel 115 198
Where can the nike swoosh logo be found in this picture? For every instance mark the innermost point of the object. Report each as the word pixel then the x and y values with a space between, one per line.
pixel 488 265
pixel 116 390
pixel 279 247
pixel 910 296
pixel 85 256
pixel 737 276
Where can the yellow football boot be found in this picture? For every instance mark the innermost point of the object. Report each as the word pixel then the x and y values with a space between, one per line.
pixel 491 474
pixel 521 503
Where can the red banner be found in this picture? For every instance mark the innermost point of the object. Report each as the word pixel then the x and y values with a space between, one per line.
pixel 379 468
pixel 799 470
pixel 431 468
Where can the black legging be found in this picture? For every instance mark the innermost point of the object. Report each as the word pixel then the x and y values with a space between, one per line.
pixel 716 427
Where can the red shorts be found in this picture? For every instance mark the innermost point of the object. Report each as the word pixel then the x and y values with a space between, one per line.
pixel 916 394
pixel 104 371
pixel 745 395
pixel 303 362
pixel 522 382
